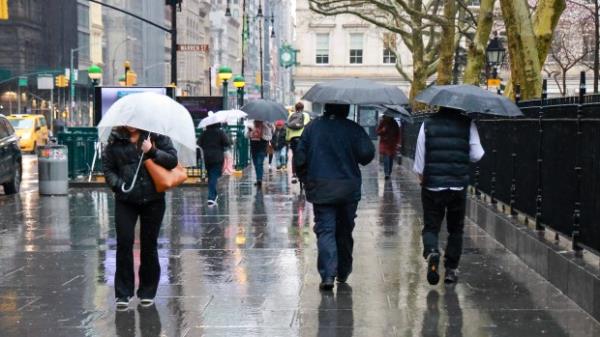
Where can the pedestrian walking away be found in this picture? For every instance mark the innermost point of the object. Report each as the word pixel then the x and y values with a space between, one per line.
pixel 260 134
pixel 389 139
pixel 214 142
pixel 280 145
pixel 447 142
pixel 327 160
pixel 120 161
pixel 296 123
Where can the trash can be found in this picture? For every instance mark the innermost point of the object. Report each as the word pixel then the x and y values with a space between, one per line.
pixel 53 170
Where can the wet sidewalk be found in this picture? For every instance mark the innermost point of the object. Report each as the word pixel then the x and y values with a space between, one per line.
pixel 248 268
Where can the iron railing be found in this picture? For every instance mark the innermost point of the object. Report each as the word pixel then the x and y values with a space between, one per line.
pixel 545 164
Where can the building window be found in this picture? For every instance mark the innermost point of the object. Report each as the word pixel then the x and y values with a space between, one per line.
pixel 389 46
pixel 356 48
pixel 322 50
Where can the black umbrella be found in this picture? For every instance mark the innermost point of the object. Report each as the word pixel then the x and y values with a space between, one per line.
pixel 264 110
pixel 470 99
pixel 355 91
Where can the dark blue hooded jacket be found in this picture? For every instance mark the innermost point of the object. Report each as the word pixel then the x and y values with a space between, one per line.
pixel 327 159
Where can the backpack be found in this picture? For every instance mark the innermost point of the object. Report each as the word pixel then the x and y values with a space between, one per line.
pixel 296 121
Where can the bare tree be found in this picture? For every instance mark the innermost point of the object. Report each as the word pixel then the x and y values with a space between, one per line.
pixel 569 47
pixel 420 24
pixel 593 8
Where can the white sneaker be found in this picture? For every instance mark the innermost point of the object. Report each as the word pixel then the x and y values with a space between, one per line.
pixel 146 302
pixel 212 203
pixel 122 303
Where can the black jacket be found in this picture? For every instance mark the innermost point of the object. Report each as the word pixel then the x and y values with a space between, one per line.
pixel 327 158
pixel 278 140
pixel 120 159
pixel 446 150
pixel 213 142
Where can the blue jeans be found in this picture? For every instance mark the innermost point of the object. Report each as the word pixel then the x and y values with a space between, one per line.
pixel 388 163
pixel 282 157
pixel 258 159
pixel 333 226
pixel 214 173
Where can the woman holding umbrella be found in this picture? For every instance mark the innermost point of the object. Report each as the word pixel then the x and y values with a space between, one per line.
pixel 120 161
pixel 260 134
pixel 137 129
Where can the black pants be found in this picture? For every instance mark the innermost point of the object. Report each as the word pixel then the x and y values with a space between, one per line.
pixel 151 216
pixel 333 226
pixel 436 206
pixel 293 146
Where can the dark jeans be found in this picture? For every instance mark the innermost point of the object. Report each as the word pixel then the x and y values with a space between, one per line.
pixel 293 146
pixel 214 173
pixel 436 205
pixel 258 159
pixel 388 163
pixel 333 226
pixel 126 215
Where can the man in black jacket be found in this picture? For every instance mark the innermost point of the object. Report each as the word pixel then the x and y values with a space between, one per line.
pixel 447 142
pixel 327 158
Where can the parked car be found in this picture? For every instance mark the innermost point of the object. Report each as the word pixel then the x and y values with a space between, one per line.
pixel 11 168
pixel 32 131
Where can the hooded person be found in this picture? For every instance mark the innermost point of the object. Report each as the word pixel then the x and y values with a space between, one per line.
pixel 327 160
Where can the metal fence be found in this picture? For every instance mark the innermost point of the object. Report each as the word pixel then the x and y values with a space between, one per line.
pixel 545 164
pixel 85 153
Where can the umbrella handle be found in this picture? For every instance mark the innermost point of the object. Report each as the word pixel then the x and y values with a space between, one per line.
pixel 127 190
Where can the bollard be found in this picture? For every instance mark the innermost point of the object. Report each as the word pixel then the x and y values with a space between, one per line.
pixel 540 159
pixel 576 233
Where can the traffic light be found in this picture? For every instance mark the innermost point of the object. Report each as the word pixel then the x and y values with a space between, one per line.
pixel 3 9
pixel 131 78
pixel 61 81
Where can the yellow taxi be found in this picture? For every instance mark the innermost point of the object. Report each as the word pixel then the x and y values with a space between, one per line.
pixel 32 131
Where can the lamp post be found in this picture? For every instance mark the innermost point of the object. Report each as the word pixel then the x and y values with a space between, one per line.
pixel 239 83
pixel 95 74
pixel 494 54
pixel 224 75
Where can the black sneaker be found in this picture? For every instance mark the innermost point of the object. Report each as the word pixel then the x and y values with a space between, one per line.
pixel 433 262
pixel 294 180
pixel 258 184
pixel 122 303
pixel 451 276
pixel 341 279
pixel 327 284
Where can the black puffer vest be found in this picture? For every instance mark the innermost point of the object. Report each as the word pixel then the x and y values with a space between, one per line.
pixel 447 150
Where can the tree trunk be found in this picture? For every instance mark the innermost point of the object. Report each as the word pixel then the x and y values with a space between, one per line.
pixel 545 19
pixel 522 46
pixel 476 55
pixel 564 82
pixel 444 68
pixel 418 54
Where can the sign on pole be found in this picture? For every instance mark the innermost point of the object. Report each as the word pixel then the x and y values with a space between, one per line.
pixel 45 82
pixel 193 47
pixel 22 81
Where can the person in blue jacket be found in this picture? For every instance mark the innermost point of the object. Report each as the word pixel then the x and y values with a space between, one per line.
pixel 327 159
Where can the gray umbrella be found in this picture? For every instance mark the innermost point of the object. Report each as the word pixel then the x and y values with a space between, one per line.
pixel 394 111
pixel 264 110
pixel 355 91
pixel 470 99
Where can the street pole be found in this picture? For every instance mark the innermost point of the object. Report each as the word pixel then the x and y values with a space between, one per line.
pixel 244 27
pixel 18 98
pixel 262 90
pixel 240 93
pixel 225 94
pixel 174 41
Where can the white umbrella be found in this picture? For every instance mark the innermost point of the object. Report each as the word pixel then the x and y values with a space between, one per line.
pixel 222 116
pixel 155 113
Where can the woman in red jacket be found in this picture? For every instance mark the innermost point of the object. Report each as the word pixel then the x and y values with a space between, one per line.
pixel 389 138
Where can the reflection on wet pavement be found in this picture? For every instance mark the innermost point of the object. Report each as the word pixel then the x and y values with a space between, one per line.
pixel 248 268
